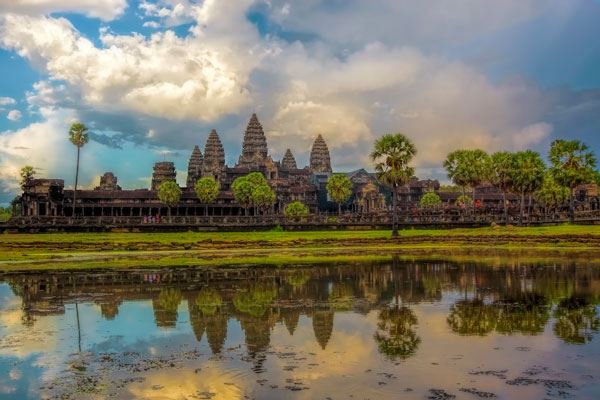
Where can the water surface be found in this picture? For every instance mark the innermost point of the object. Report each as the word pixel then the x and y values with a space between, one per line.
pixel 363 331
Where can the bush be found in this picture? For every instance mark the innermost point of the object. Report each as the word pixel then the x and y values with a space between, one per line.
pixel 430 200
pixel 296 210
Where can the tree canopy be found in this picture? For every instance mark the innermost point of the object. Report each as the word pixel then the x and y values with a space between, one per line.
pixel 207 189
pixel 339 187
pixel 296 210
pixel 169 193
pixel 430 200
pixel 263 196
pixel 78 134
pixel 27 173
pixel 467 168
pixel 572 162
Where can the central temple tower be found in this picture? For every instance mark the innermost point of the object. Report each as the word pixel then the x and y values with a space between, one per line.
pixel 254 148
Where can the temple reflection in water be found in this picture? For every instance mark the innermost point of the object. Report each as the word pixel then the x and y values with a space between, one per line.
pixel 522 299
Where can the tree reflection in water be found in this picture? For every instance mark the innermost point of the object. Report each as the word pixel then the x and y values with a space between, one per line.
pixel 165 307
pixel 256 300
pixel 576 320
pixel 395 336
pixel 472 317
pixel 527 314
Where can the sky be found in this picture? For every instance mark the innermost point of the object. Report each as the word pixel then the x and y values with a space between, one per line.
pixel 151 78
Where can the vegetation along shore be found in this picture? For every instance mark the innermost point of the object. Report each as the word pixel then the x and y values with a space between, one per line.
pixel 24 251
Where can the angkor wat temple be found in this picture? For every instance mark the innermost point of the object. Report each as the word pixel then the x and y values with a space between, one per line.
pixel 48 200
pixel 48 197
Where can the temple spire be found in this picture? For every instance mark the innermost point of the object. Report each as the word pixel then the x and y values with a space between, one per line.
pixel 254 147
pixel 320 161
pixel 214 156
pixel 289 162
pixel 194 167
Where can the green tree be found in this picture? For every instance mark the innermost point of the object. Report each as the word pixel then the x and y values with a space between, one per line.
pixel 339 187
pixel 551 194
pixel 78 135
pixel 396 337
pixel 467 168
pixel 392 155
pixel 263 197
pixel 169 193
pixel 573 164
pixel 296 210
pixel 256 179
pixel 430 200
pixel 528 176
pixel 27 175
pixel 242 192
pixel 500 173
pixel 207 190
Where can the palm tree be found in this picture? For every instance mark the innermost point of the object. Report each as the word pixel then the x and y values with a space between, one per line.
pixel 79 137
pixel 207 190
pixel 339 188
pixel 573 164
pixel 500 173
pixel 392 153
pixel 528 175
pixel 467 168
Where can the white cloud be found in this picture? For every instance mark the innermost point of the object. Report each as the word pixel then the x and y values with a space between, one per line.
pixel 170 12
pixel 14 115
pixel 349 94
pixel 202 76
pixel 6 101
pixel 103 9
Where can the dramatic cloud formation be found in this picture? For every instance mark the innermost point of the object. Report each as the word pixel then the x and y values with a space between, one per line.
pixel 103 9
pixel 350 71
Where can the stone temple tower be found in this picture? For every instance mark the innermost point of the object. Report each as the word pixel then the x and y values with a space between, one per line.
pixel 214 157
pixel 254 148
pixel 288 162
pixel 194 167
pixel 163 171
pixel 320 161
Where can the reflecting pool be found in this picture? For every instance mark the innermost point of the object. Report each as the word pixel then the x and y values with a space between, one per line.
pixel 398 329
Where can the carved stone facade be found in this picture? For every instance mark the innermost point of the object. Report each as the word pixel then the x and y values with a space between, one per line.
pixel 163 171
pixel 320 161
pixel 108 181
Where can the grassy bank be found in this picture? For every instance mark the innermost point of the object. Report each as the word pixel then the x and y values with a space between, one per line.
pixel 93 250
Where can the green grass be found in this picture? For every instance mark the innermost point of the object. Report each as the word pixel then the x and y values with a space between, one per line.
pixel 283 236
pixel 275 247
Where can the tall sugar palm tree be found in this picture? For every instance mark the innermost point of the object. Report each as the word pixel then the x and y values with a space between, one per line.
pixel 573 164
pixel 78 135
pixel 392 154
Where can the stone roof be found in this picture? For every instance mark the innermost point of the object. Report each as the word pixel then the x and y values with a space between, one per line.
pixel 288 161
pixel 320 160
